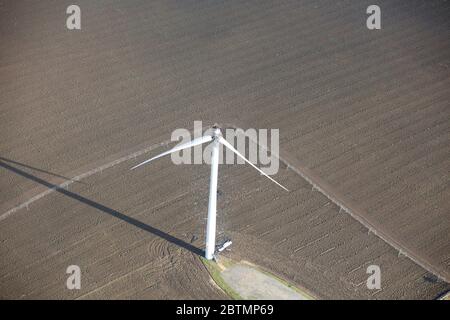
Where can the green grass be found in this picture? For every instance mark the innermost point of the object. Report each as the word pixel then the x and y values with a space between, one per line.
pixel 214 271
pixel 445 296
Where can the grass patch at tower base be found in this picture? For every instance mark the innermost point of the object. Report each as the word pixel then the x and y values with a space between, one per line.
pixel 245 281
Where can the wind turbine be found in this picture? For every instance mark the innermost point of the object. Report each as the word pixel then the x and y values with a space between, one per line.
pixel 216 138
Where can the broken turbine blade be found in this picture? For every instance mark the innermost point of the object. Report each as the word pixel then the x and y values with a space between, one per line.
pixel 229 146
pixel 179 147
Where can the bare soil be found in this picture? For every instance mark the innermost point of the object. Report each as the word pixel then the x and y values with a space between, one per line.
pixel 365 111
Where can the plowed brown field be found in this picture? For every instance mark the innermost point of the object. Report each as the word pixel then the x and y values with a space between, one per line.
pixel 364 138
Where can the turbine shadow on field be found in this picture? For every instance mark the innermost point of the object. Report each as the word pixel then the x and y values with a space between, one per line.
pixel 107 210
pixel 39 170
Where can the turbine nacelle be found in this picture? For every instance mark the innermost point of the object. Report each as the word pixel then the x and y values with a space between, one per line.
pixel 216 132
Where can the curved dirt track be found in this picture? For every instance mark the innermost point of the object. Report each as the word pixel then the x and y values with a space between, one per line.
pixel 364 111
pixel 356 212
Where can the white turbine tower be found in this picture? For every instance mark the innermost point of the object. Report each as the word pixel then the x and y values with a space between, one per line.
pixel 216 138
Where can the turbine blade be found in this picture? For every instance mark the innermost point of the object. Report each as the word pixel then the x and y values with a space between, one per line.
pixel 179 147
pixel 229 146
